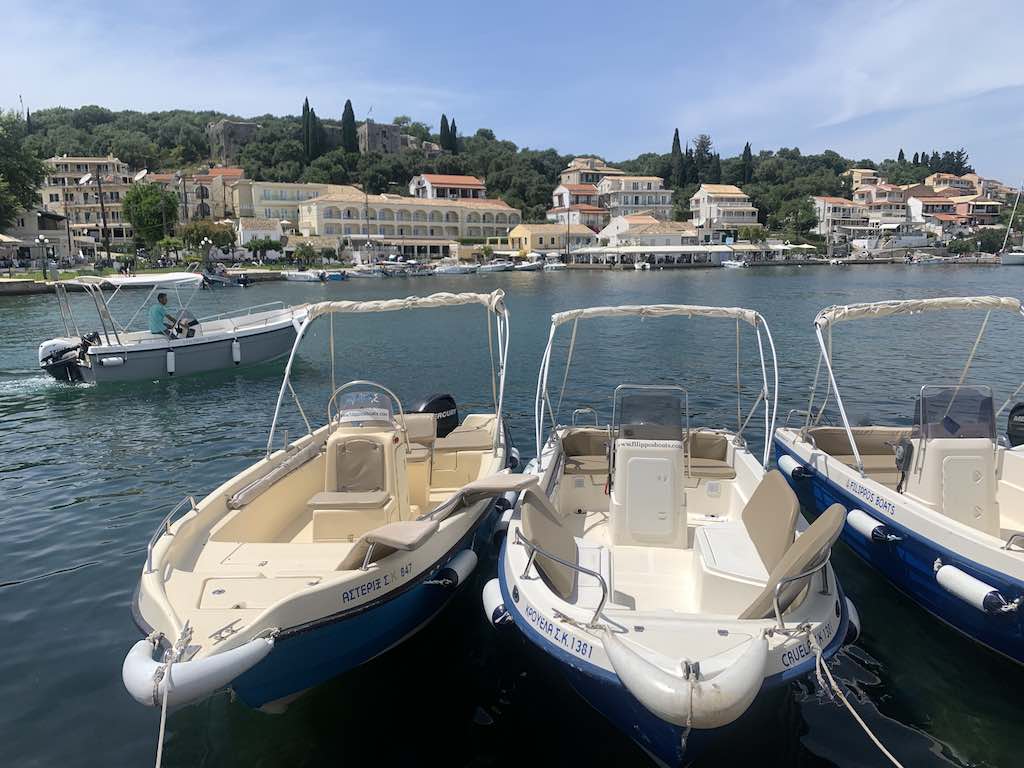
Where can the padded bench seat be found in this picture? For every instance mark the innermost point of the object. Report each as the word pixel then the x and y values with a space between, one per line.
pixel 465 440
pixel 711 469
pixel 586 465
pixel 348 500
pixel 878 467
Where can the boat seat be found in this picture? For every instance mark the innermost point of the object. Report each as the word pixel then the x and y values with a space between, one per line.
pixel 809 550
pixel 879 468
pixel 597 558
pixel 586 465
pixel 348 500
pixel 708 456
pixel 711 469
pixel 460 439
pixel 753 545
pixel 417 453
pixel 404 535
pixel 421 428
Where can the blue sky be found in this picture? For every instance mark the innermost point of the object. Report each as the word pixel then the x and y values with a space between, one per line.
pixel 864 78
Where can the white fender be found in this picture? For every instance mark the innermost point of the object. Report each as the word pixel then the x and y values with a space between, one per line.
pixel 863 523
pixel 717 701
pixel 494 604
pixel 236 352
pixel 190 680
pixel 111 362
pixel 170 361
pixel 973 591
pixel 853 623
pixel 459 568
pixel 787 464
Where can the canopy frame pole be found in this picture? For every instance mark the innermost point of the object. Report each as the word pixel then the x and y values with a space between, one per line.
pixel 286 384
pixel 739 425
pixel 967 365
pixel 568 365
pixel 542 384
pixel 839 400
pixel 333 383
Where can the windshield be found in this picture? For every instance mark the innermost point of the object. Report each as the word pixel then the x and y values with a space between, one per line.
pixel 649 413
pixel 944 411
pixel 364 408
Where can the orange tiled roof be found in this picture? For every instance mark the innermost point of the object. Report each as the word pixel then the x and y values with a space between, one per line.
pixel 446 180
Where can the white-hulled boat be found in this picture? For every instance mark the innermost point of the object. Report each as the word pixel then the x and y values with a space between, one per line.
pixel 529 266
pixel 642 266
pixel 497 265
pixel 367 270
pixel 1012 258
pixel 554 265
pixel 330 551
pixel 936 507
pixel 659 564
pixel 734 264
pixel 303 275
pixel 452 266
pixel 111 351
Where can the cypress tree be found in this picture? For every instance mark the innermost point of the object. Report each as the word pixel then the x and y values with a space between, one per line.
pixel 305 129
pixel 935 162
pixel 349 137
pixel 453 138
pixel 315 131
pixel 676 163
pixel 445 138
pixel 28 122
pixel 676 147
pixel 916 159
pixel 924 158
pixel 715 169
pixel 901 158
pixel 747 163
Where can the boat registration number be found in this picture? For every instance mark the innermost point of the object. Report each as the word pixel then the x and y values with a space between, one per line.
pixel 376 584
pixel 557 635
pixel 793 656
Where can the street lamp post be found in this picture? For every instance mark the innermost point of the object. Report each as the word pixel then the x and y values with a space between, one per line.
pixel 206 243
pixel 43 242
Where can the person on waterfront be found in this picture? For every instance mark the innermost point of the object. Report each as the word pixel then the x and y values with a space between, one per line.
pixel 158 316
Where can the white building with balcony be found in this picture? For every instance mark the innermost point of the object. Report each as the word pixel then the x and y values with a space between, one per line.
pixel 625 195
pixel 838 218
pixel 438 186
pixel 721 208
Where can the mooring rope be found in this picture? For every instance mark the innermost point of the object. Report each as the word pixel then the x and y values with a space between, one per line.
pixel 820 668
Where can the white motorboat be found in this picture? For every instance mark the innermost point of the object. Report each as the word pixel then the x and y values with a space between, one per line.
pixel 554 265
pixel 112 351
pixel 734 264
pixel 642 266
pixel 1012 259
pixel 529 266
pixel 452 266
pixel 936 506
pixel 497 265
pixel 332 550
pixel 367 271
pixel 658 564
pixel 303 275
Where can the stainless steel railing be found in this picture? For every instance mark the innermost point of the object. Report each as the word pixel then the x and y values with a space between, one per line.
pixel 822 566
pixel 534 549
pixel 164 526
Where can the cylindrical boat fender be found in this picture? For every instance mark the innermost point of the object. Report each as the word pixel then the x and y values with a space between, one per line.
pixel 716 701
pixel 502 524
pixel 792 467
pixel 972 591
pixel 513 454
pixel 170 361
pixel 236 351
pixel 458 568
pixel 111 362
pixel 190 680
pixel 494 604
pixel 853 622
pixel 868 527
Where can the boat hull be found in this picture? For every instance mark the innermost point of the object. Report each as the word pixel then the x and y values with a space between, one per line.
pixel 605 692
pixel 909 564
pixel 307 656
pixel 191 357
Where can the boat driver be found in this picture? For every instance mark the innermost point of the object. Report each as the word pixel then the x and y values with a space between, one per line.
pixel 159 320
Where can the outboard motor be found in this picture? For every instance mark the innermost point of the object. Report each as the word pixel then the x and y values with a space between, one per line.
pixel 446 412
pixel 59 358
pixel 1015 425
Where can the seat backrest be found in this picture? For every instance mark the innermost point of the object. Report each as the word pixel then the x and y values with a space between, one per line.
pixel 770 518
pixel 809 550
pixel 358 465
pixel 708 445
pixel 543 526
pixel 421 427
pixel 585 441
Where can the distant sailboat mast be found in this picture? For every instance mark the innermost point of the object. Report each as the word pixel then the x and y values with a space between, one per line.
pixel 1009 225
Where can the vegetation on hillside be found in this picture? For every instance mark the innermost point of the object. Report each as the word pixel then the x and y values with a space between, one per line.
pixel 310 148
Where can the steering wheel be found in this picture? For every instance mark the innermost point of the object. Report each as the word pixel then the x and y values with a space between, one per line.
pixel 332 406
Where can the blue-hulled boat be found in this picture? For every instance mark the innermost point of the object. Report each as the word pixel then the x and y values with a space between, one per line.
pixel 937 507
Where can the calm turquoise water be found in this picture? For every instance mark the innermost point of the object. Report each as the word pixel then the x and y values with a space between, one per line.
pixel 86 475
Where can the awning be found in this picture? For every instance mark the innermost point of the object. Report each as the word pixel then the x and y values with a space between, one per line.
pixel 494 301
pixel 657 310
pixel 167 279
pixel 837 314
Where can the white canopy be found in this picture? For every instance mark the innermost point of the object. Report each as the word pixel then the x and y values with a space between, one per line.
pixel 838 314
pixel 169 279
pixel 657 310
pixel 494 301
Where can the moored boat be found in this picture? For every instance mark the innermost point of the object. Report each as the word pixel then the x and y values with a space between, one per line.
pixel 452 266
pixel 330 551
pixel 303 275
pixel 497 265
pixel 663 569
pixel 936 504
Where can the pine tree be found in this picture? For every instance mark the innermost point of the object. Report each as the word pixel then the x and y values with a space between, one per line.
pixel 349 137
pixel 747 163
pixel 901 158
pixel 453 138
pixel 446 135
pixel 305 130
pixel 916 159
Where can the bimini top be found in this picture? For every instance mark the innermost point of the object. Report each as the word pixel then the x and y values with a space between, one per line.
pixel 657 310
pixel 837 314
pixel 169 279
pixel 494 301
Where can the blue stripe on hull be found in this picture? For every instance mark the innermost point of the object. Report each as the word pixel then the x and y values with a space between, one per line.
pixel 305 658
pixel 603 690
pixel 909 566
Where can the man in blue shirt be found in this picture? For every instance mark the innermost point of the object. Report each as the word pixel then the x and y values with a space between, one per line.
pixel 158 316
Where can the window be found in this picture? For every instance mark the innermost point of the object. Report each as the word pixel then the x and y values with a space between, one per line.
pixel 54 198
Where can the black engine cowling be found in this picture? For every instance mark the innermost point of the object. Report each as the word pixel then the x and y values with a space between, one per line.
pixel 1015 425
pixel 446 412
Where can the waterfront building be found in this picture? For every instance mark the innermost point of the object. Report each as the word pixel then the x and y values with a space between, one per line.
pixel 250 228
pixel 549 238
pixel 952 184
pixel 383 138
pixel 976 210
pixel 624 195
pixel 273 199
pixel 80 203
pixel 37 223
pixel 414 226
pixel 862 177
pixel 721 210
pixel 437 186
pixel 618 227
pixel 921 208
pixel 208 194
pixel 644 229
pixel 838 217
pixel 587 170
pixel 593 217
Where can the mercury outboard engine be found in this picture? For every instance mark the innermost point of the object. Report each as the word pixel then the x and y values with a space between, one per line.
pixel 60 357
pixel 1015 425
pixel 446 412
